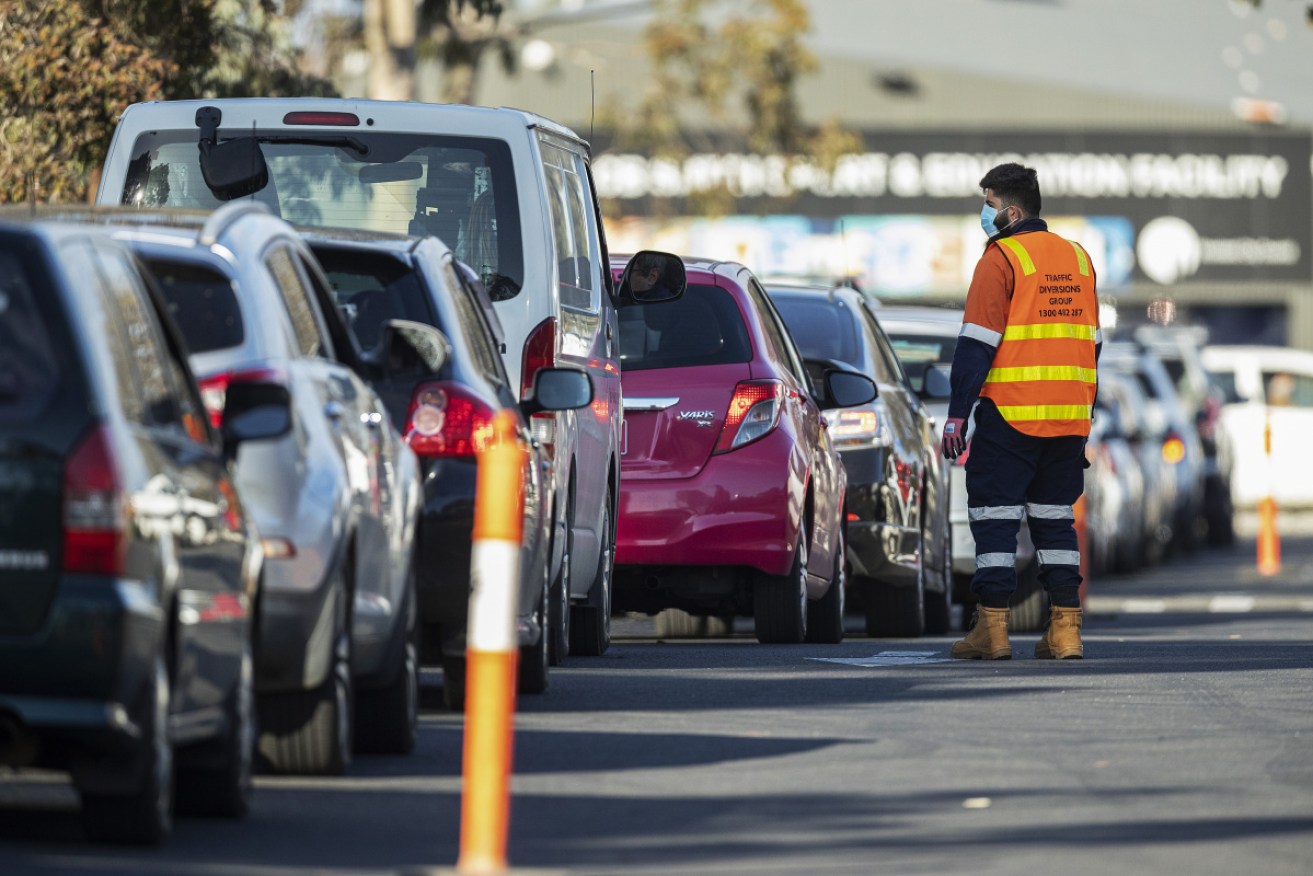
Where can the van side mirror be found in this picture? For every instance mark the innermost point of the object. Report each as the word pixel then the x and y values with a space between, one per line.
pixel 936 384
pixel 558 389
pixel 651 277
pixel 231 169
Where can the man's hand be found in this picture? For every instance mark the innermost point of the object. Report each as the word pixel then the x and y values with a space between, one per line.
pixel 955 437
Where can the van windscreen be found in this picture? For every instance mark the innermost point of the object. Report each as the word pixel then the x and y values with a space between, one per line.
pixel 459 189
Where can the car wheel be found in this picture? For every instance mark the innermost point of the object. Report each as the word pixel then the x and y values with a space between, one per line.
pixel 558 645
pixel 897 612
pixel 145 816
pixel 779 602
pixel 453 683
pixel 938 619
pixel 531 673
pixel 387 718
pixel 311 732
pixel 825 615
pixel 224 790
pixel 1029 603
pixel 590 628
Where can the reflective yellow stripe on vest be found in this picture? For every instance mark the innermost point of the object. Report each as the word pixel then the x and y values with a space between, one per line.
pixel 1042 372
pixel 1027 266
pixel 1044 412
pixel 1049 330
pixel 1082 263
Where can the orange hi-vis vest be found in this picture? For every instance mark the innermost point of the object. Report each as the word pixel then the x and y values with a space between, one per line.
pixel 1043 379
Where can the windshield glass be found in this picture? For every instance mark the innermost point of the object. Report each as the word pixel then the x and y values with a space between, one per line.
pixel 459 189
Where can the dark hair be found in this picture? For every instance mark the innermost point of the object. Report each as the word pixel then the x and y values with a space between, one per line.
pixel 1016 185
pixel 648 261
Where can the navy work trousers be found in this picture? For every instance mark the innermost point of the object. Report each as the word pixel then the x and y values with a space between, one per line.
pixel 1010 475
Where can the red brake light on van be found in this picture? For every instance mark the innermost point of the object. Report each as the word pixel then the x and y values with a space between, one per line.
pixel 540 352
pixel 753 412
pixel 214 389
pixel 94 514
pixel 314 117
pixel 444 420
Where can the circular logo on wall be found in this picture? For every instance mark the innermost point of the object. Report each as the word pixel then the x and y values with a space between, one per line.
pixel 1168 250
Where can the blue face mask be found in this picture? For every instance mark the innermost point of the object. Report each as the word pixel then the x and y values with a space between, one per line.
pixel 987 216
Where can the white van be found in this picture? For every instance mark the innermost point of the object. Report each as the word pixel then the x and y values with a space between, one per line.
pixel 1267 385
pixel 511 194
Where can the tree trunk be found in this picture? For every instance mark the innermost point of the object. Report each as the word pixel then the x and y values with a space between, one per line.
pixel 390 27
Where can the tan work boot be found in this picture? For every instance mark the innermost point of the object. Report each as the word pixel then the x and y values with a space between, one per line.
pixel 988 638
pixel 1061 641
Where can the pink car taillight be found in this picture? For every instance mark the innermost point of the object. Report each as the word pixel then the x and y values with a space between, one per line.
pixel 753 412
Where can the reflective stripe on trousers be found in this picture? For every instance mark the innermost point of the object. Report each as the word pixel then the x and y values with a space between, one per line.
pixel 1011 475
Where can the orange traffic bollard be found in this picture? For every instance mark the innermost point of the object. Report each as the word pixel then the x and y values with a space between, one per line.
pixel 492 651
pixel 1269 543
pixel 1082 544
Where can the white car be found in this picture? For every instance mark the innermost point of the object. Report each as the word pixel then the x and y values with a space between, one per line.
pixel 510 192
pixel 1262 385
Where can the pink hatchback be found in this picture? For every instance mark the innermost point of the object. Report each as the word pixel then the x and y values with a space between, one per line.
pixel 731 491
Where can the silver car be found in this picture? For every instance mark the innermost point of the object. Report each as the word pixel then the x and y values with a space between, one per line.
pixel 335 500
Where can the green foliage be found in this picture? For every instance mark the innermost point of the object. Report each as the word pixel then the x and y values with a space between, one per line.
pixel 736 65
pixel 68 67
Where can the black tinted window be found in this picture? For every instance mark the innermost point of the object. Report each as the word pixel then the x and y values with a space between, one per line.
pixel 372 288
pixel 202 303
pixel 919 352
pixel 474 330
pixel 28 371
pixel 296 296
pixel 704 327
pixel 821 328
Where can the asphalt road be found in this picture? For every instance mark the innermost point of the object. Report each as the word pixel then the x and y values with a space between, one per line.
pixel 1182 744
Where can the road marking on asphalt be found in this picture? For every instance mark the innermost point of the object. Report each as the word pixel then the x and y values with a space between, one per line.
pixel 1231 603
pixel 1144 606
pixel 887 658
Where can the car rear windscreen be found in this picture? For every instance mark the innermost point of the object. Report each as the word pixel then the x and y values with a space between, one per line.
pixel 202 303
pixel 821 328
pixel 29 373
pixel 372 288
pixel 703 327
pixel 919 352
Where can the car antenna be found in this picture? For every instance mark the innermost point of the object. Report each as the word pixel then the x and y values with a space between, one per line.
pixel 592 116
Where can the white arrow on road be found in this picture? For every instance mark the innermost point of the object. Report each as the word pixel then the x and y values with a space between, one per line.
pixel 887 658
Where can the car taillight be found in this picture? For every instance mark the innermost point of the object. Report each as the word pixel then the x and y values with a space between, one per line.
pixel 95 518
pixel 753 412
pixel 1173 448
pixel 857 427
pixel 444 419
pixel 214 389
pixel 540 352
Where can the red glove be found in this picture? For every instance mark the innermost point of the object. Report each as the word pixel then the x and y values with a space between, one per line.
pixel 955 437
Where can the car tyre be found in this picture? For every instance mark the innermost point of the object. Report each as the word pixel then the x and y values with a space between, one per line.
pixel 311 732
pixel 825 615
pixel 531 672
pixel 453 683
pixel 779 602
pixel 145 816
pixel 387 718
pixel 938 617
pixel 224 791
pixel 558 646
pixel 590 628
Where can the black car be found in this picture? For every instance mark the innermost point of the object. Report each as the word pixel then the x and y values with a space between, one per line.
pixel 898 529
pixel 446 418
pixel 128 572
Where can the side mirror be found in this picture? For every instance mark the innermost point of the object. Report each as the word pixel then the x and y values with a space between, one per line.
pixel 558 389
pixel 255 411
pixel 406 347
pixel 847 389
pixel 231 169
pixel 936 383
pixel 651 277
